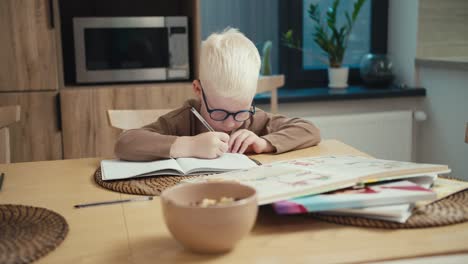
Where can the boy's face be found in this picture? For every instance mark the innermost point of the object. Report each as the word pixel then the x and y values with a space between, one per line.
pixel 214 108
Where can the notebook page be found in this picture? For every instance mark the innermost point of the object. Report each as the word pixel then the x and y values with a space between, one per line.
pixel 119 169
pixel 226 162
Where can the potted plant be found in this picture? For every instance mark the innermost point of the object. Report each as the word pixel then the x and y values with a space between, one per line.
pixel 265 68
pixel 331 38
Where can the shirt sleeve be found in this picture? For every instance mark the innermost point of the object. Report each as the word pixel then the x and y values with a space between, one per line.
pixel 152 142
pixel 286 134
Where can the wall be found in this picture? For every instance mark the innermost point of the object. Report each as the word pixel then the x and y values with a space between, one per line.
pixel 441 139
pixel 442 28
pixel 347 107
pixel 402 40
pixel 442 136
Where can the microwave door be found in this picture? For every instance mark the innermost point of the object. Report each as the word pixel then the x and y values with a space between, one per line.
pixel 128 51
pixel 126 54
pixel 126 48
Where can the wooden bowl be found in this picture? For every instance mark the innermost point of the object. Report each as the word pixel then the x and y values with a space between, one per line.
pixel 212 229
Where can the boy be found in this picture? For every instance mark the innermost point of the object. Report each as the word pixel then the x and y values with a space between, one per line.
pixel 229 69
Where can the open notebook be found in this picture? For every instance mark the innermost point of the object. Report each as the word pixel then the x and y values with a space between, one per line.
pixel 119 169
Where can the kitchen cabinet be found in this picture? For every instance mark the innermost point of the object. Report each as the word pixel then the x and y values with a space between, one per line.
pixel 37 135
pixel 27 46
pixel 85 126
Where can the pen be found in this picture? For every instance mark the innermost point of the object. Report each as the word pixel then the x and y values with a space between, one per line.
pixel 146 198
pixel 1 180
pixel 195 112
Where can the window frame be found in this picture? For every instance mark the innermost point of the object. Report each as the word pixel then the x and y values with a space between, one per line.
pixel 291 59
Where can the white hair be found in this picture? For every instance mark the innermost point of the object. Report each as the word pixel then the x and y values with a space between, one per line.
pixel 230 64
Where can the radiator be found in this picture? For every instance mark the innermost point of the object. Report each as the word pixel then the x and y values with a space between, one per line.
pixel 384 135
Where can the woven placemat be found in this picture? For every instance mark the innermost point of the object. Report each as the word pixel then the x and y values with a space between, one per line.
pixel 150 186
pixel 27 233
pixel 450 210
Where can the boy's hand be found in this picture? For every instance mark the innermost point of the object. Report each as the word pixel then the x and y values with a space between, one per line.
pixel 207 145
pixel 246 141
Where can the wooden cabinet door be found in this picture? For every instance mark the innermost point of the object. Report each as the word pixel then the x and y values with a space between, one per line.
pixel 36 136
pixel 28 59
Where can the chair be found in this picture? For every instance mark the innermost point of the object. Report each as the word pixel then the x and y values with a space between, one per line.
pixel 8 116
pixel 129 119
pixel 271 83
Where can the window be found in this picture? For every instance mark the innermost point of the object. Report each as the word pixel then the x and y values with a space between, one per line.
pixel 257 19
pixel 305 69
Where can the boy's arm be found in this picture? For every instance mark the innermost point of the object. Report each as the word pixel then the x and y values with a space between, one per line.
pixel 158 141
pixel 151 142
pixel 286 134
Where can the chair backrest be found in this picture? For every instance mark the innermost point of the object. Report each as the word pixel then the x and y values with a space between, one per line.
pixel 8 116
pixel 129 119
pixel 271 83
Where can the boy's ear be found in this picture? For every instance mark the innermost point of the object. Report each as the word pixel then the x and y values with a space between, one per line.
pixel 197 89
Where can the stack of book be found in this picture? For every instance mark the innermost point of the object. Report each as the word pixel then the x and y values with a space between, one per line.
pixel 393 201
pixel 345 185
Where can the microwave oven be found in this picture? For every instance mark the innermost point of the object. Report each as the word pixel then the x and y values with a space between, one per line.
pixel 131 49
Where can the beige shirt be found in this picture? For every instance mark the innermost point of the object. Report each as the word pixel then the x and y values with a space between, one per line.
pixel 154 141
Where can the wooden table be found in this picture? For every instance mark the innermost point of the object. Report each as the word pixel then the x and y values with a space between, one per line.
pixel 136 233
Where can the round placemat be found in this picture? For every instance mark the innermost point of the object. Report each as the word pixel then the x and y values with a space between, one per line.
pixel 27 233
pixel 143 186
pixel 450 210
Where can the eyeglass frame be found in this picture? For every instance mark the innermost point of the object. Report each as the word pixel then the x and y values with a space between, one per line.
pixel 210 111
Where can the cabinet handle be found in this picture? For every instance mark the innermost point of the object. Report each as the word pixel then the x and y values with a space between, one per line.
pixel 51 14
pixel 58 110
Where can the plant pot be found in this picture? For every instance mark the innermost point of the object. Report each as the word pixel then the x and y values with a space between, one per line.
pixel 338 77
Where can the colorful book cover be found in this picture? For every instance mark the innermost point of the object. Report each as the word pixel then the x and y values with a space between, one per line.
pixel 399 192
pixel 400 213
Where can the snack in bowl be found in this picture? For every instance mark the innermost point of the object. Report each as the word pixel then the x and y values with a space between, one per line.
pixel 197 213
pixel 214 202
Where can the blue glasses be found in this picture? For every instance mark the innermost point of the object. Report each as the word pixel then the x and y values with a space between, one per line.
pixel 221 114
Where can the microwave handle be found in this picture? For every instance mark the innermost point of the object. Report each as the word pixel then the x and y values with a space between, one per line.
pixel 51 14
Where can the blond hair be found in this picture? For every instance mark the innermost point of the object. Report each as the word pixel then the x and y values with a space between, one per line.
pixel 229 64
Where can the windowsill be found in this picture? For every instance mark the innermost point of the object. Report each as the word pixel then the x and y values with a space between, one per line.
pixel 326 94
